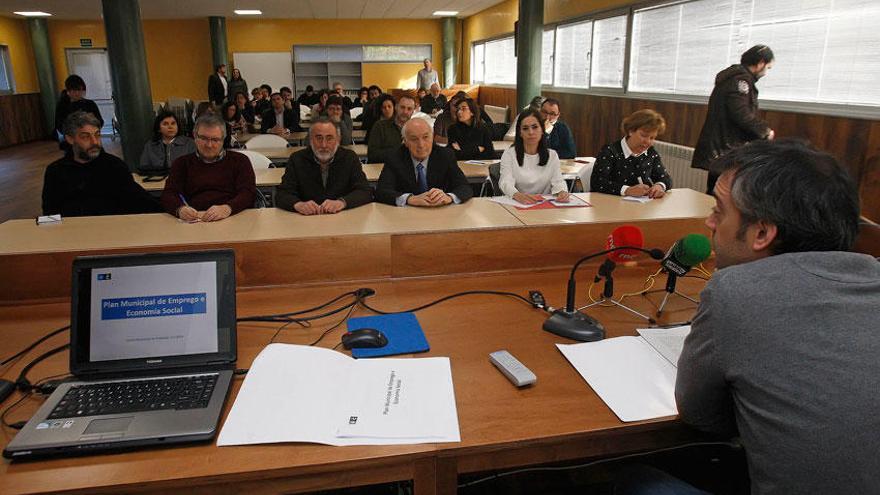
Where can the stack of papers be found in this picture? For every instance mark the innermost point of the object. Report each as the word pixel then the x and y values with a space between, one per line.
pixel 296 393
pixel 634 376
pixel 548 202
pixel 482 162
pixel 637 199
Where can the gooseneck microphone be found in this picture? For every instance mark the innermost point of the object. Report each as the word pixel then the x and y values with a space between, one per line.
pixel 687 252
pixel 572 324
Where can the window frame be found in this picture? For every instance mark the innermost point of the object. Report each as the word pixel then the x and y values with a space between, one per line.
pixel 6 61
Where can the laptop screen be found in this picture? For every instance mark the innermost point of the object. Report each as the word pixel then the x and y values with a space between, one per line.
pixel 152 310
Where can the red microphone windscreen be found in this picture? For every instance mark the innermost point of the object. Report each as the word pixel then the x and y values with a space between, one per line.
pixel 625 235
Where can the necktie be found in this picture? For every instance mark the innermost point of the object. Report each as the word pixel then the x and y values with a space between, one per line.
pixel 422 179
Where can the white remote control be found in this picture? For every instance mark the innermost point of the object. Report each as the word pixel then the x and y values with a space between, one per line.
pixel 514 370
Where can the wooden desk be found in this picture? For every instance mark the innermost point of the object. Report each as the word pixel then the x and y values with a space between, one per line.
pixel 476 174
pixel 266 178
pixel 558 419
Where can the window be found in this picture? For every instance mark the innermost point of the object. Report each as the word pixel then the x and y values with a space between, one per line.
pixel 547 57
pixel 609 52
pixel 477 63
pixel 572 57
pixel 500 62
pixel 7 84
pixel 396 53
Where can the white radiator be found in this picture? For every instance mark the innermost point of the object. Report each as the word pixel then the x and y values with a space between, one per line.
pixel 677 160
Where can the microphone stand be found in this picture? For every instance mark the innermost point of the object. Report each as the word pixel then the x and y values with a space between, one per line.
pixel 671 279
pixel 570 323
pixel 605 271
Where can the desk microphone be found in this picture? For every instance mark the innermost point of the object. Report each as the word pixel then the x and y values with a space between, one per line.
pixel 689 251
pixel 573 324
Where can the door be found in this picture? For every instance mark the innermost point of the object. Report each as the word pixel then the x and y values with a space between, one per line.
pixel 92 64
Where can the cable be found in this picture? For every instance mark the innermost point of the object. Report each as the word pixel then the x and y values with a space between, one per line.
pixel 443 299
pixel 279 316
pixel 335 326
pixel 17 425
pixel 597 462
pixel 22 382
pixel 33 345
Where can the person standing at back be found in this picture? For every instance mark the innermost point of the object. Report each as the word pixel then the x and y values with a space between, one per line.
pixel 73 99
pixel 427 76
pixel 732 119
pixel 218 86
pixel 236 85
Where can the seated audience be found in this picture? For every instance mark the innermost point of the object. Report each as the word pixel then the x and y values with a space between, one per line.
pixel 264 103
pixel 530 168
pixel 244 108
pixel 371 110
pixel 339 91
pixel 237 84
pixel 279 120
pixel 73 99
pixel 287 96
pixel 469 137
pixel 535 105
pixel 321 107
pixel 385 135
pixel 212 183
pixel 362 98
pixel 434 102
pixel 166 146
pixel 631 166
pixel 420 94
pixel 447 118
pixel 324 177
pixel 234 120
pixel 336 113
pixel 382 108
pixel 308 97
pixel 87 181
pixel 419 173
pixel 783 349
pixel 559 136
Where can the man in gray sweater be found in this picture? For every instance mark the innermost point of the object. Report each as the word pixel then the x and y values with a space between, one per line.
pixel 785 345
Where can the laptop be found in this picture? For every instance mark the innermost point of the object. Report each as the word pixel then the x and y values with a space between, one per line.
pixel 152 352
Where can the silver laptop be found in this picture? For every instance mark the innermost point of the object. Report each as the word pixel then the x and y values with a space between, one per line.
pixel 152 351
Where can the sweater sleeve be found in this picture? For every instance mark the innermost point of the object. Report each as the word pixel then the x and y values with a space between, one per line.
pixel 600 180
pixel 507 182
pixel 489 148
pixel 175 185
pixel 245 186
pixel 557 183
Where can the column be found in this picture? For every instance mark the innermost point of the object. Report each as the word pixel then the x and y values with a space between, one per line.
pixel 128 70
pixel 449 55
pixel 528 43
pixel 39 31
pixel 219 47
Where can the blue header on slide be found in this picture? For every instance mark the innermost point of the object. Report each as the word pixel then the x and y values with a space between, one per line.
pixel 150 306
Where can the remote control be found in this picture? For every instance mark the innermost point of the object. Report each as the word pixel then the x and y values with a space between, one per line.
pixel 514 370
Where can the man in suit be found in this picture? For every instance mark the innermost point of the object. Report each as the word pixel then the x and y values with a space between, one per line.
pixel 559 135
pixel 280 120
pixel 218 87
pixel 323 178
pixel 421 174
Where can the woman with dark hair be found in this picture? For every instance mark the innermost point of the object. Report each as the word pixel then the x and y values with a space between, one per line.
pixel 73 99
pixel 232 116
pixel 384 110
pixel 320 108
pixel 245 109
pixel 446 118
pixel 469 137
pixel 166 146
pixel 631 166
pixel 530 168
pixel 362 98
pixel 237 84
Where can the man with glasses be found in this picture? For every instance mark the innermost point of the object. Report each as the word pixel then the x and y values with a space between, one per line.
pixel 212 183
pixel 559 136
pixel 323 178
pixel 89 182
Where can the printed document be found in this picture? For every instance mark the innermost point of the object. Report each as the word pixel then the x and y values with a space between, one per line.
pixel 296 393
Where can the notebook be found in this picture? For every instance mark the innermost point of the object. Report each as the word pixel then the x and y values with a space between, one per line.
pixel 152 352
pixel 404 334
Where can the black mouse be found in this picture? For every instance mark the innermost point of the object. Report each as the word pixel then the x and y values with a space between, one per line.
pixel 364 337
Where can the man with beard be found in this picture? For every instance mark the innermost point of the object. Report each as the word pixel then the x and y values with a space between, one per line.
pixel 732 119
pixel 323 178
pixel 88 181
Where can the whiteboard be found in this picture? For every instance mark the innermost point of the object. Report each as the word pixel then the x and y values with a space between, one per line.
pixel 272 68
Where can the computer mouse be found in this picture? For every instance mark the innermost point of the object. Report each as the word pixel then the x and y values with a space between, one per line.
pixel 364 337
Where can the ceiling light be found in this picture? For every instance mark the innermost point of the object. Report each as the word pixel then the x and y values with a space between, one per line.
pixel 34 14
pixel 447 13
pixel 248 12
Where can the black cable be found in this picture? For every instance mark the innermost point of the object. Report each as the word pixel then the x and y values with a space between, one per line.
pixel 294 320
pixel 22 382
pixel 273 317
pixel 33 345
pixel 17 425
pixel 335 326
pixel 443 299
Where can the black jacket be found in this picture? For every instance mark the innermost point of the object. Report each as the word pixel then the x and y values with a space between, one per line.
pixel 469 139
pixel 302 180
pixel 291 120
pixel 612 171
pixel 216 91
pixel 398 175
pixel 732 119
pixel 65 107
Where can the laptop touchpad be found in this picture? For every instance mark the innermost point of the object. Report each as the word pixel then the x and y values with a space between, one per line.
pixel 112 425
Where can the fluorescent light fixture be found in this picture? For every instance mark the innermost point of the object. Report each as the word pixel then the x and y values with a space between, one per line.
pixel 446 13
pixel 248 12
pixel 34 14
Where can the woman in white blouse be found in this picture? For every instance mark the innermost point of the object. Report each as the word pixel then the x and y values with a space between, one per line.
pixel 529 168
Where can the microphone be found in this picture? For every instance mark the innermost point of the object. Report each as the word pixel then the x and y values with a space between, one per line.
pixel 575 325
pixel 688 251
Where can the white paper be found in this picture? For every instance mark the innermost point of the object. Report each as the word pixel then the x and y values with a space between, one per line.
pixel 667 341
pixel 572 201
pixel 298 393
pixel 482 162
pixel 504 200
pixel 637 199
pixel 635 381
pixel 48 219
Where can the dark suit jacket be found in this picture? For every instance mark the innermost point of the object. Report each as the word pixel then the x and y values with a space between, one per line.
pixel 398 175
pixel 291 120
pixel 216 92
pixel 302 180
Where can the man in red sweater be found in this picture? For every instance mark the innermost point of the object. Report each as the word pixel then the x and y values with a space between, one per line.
pixel 212 183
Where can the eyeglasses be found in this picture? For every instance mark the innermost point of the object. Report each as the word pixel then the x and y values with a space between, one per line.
pixel 550 114
pixel 209 140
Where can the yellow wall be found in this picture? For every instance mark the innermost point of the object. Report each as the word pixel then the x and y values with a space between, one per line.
pixel 14 34
pixel 66 34
pixel 498 20
pixel 179 58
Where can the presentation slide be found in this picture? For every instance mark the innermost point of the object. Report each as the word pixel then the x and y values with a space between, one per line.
pixel 153 311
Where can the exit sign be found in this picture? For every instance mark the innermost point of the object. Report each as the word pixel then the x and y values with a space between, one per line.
pixel 85 42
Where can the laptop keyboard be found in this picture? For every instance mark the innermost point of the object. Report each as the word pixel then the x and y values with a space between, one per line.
pixel 179 392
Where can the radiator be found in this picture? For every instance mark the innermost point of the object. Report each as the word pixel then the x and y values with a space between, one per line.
pixel 677 160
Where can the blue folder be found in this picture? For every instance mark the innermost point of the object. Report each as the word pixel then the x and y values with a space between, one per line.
pixel 403 331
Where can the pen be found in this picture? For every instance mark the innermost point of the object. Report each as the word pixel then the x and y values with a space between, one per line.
pixel 180 195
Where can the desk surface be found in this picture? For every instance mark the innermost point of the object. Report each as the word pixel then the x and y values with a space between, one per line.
pixel 265 177
pixel 558 419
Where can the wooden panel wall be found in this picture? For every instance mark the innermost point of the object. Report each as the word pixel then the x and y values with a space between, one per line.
pixel 595 121
pixel 22 119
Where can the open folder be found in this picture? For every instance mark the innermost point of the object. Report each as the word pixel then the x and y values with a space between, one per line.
pixel 634 376
pixel 296 393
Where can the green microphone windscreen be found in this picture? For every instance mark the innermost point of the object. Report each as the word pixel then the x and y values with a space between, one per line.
pixel 693 249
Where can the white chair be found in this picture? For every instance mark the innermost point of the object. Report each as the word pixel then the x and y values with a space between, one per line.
pixel 258 160
pixel 304 112
pixel 266 141
pixel 356 112
pixel 497 114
